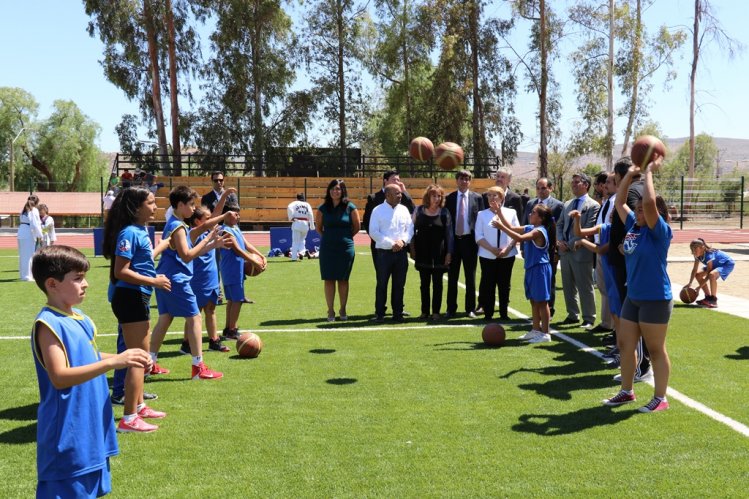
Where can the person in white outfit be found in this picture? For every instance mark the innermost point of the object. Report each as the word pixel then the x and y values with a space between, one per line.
pixel 48 226
pixel 302 220
pixel 29 236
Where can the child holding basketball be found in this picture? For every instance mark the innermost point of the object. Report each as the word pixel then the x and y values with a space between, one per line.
pixel 232 266
pixel 132 277
pixel 75 425
pixel 715 263
pixel 538 240
pixel 177 263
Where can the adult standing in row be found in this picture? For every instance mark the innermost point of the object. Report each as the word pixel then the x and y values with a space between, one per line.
pixel 29 236
pixel 337 220
pixel 577 265
pixel 464 206
pixel 432 247
pixel 512 200
pixel 608 197
pixel 390 177
pixel 496 254
pixel 211 199
pixel 544 191
pixel 391 228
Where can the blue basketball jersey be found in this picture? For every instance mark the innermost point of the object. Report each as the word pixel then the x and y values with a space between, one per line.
pixel 533 254
pixel 232 265
pixel 205 270
pixel 134 244
pixel 75 428
pixel 170 264
pixel 645 251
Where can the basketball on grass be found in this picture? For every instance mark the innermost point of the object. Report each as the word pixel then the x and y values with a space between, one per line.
pixel 448 155
pixel 493 335
pixel 421 148
pixel 643 149
pixel 249 345
pixel 253 266
pixel 688 295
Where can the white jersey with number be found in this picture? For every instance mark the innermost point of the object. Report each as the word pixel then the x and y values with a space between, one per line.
pixel 301 211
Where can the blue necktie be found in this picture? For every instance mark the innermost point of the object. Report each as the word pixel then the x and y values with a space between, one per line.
pixel 575 205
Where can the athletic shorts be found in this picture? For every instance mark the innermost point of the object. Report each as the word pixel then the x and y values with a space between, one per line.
pixel 538 283
pixel 724 270
pixel 234 292
pixel 95 484
pixel 649 312
pixel 131 305
pixel 204 297
pixel 179 302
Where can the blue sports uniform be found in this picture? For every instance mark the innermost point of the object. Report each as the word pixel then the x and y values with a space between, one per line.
pixel 721 262
pixel 232 267
pixel 134 244
pixel 537 267
pixel 204 281
pixel 75 430
pixel 180 301
pixel 612 290
pixel 645 251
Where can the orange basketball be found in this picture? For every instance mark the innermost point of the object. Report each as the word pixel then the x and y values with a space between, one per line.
pixel 688 295
pixel 493 335
pixel 643 149
pixel 448 155
pixel 253 266
pixel 421 148
pixel 249 345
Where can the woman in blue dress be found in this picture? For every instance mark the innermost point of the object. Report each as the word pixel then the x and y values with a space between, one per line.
pixel 337 220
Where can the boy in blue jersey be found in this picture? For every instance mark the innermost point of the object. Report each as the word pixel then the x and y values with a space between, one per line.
pixel 233 261
pixel 176 263
pixel 75 429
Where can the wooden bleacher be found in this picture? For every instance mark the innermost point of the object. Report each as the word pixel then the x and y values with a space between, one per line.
pixel 264 199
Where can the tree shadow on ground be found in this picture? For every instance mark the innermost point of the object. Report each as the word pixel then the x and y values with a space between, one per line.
pixel 341 381
pixel 742 353
pixel 21 435
pixel 549 425
pixel 22 413
pixel 472 346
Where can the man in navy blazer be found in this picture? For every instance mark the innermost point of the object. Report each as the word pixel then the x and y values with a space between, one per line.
pixel 512 199
pixel 544 189
pixel 465 250
pixel 577 265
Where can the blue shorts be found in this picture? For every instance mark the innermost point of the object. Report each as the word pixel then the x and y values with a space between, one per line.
pixel 179 302
pixel 234 292
pixel 538 283
pixel 95 484
pixel 724 270
pixel 206 296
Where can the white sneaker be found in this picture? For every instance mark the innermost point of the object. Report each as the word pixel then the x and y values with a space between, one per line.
pixel 530 334
pixel 647 376
pixel 541 338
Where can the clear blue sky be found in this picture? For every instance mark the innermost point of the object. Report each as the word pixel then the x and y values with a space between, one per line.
pixel 47 51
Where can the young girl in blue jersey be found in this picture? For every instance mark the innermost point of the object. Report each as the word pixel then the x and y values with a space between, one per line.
pixel 75 424
pixel 647 308
pixel 132 276
pixel 538 240
pixel 233 261
pixel 715 263
pixel 177 263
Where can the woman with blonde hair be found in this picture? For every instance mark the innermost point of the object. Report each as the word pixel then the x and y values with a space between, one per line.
pixel 432 247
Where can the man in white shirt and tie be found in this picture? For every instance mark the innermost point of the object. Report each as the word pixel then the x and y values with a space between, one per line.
pixel 464 206
pixel 391 228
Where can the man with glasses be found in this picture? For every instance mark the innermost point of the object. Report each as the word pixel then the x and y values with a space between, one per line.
pixel 213 199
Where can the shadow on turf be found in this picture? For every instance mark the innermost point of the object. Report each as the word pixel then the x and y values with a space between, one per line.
pixel 322 350
pixel 23 413
pixel 21 435
pixel 341 381
pixel 549 425
pixel 742 353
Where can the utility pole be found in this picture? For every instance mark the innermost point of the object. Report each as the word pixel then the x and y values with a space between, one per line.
pixel 11 184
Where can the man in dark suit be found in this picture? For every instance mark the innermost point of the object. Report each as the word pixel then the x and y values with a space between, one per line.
pixel 544 189
pixel 463 206
pixel 512 199
pixel 211 199
pixel 577 265
pixel 377 198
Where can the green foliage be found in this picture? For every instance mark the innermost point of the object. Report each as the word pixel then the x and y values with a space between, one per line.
pixel 18 112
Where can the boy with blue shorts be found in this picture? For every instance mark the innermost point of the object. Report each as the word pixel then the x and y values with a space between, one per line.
pixel 176 264
pixel 233 261
pixel 75 428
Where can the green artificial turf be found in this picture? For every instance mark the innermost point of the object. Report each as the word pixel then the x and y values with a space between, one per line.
pixel 353 410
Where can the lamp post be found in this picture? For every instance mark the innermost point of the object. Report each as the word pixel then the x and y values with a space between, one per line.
pixel 12 172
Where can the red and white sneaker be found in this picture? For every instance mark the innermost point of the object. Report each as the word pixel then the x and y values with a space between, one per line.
pixel 201 371
pixel 157 369
pixel 620 398
pixel 149 413
pixel 137 425
pixel 655 405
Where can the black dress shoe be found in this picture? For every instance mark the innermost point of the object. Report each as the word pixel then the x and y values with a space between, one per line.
pixel 587 325
pixel 601 329
pixel 398 318
pixel 378 319
pixel 609 340
pixel 449 315
pixel 569 320
pixel 504 318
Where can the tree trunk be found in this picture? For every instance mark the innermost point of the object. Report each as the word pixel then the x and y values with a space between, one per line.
pixel 341 85
pixel 636 59
pixel 258 144
pixel 406 71
pixel 41 167
pixel 475 115
pixel 176 148
pixel 543 157
pixel 153 57
pixel 610 91
pixel 693 79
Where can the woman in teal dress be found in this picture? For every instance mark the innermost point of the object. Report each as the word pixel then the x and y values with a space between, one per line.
pixel 337 220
